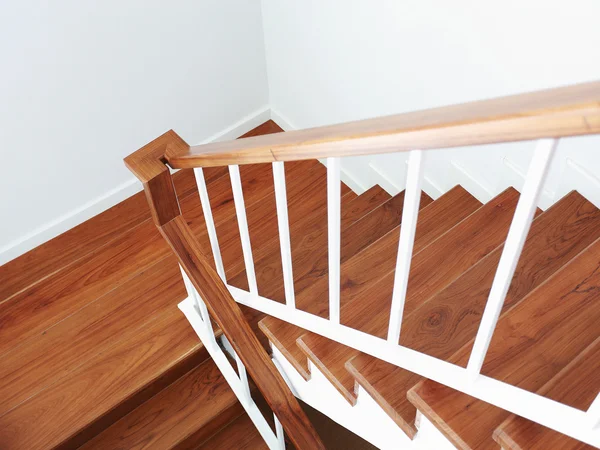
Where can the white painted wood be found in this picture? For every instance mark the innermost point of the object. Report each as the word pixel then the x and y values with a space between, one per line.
pixel 279 432
pixel 210 223
pixel 201 307
pixel 511 253
pixel 366 419
pixel 410 214
pixel 240 211
pixel 243 378
pixel 284 232
pixel 562 418
pixel 218 356
pixel 334 236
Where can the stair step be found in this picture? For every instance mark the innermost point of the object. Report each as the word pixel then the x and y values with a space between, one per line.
pixel 241 434
pixel 183 415
pixel 104 388
pixel 532 343
pixel 56 297
pixel 450 318
pixel 71 246
pixel 366 268
pixel 576 385
pixel 363 204
pixel 433 267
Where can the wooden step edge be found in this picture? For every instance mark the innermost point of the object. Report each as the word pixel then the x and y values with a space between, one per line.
pixel 265 326
pixel 363 204
pixel 409 428
pixel 198 404
pixel 414 395
pixel 349 395
pixel 516 430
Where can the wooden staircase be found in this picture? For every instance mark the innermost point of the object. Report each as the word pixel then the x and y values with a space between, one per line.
pixel 95 353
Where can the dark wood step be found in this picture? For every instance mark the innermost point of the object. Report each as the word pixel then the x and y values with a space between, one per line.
pixel 241 434
pixel 576 385
pixel 532 343
pixel 450 318
pixel 451 254
pixel 181 416
pixel 366 269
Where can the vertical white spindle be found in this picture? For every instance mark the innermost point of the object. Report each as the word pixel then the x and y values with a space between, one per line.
pixel 240 211
pixel 244 379
pixel 279 433
pixel 593 413
pixel 333 240
pixel 517 234
pixel 410 213
pixel 191 290
pixel 284 232
pixel 210 224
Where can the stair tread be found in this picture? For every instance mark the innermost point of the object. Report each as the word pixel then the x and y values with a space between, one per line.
pixel 366 268
pixel 84 401
pixel 451 253
pixel 576 385
pixel 240 434
pixel 182 415
pixel 524 351
pixel 450 318
pixel 40 306
pixel 365 202
pixel 72 245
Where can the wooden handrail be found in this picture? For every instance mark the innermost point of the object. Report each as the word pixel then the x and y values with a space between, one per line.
pixel 560 112
pixel 148 164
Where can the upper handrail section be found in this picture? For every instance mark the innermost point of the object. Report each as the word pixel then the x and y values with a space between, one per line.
pixel 552 113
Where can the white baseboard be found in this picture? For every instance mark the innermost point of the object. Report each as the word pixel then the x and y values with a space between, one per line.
pixel 116 195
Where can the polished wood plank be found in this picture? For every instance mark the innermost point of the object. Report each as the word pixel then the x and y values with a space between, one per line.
pixel 363 204
pixel 576 385
pixel 241 434
pixel 565 111
pixel 105 388
pixel 365 270
pixel 532 343
pixel 182 415
pixel 449 319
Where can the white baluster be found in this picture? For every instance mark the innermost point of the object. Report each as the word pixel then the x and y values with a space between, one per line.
pixel 333 231
pixel 193 293
pixel 210 224
pixel 517 234
pixel 240 211
pixel 279 433
pixel 244 379
pixel 410 213
pixel 284 232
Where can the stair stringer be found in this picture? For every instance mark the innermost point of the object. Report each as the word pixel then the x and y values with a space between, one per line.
pixel 366 419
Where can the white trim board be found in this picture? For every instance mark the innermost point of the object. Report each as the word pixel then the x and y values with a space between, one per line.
pixel 116 195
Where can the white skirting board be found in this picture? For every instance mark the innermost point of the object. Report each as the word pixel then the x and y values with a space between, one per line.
pixel 116 195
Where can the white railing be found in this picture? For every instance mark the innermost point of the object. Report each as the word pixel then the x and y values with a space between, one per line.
pixel 579 424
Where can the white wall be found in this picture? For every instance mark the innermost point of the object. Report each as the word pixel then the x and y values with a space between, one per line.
pixel 342 60
pixel 85 83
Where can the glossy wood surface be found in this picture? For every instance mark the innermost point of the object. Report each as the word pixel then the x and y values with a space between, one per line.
pixel 241 434
pixel 565 111
pixel 450 318
pixel 533 342
pixel 576 385
pixel 183 415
